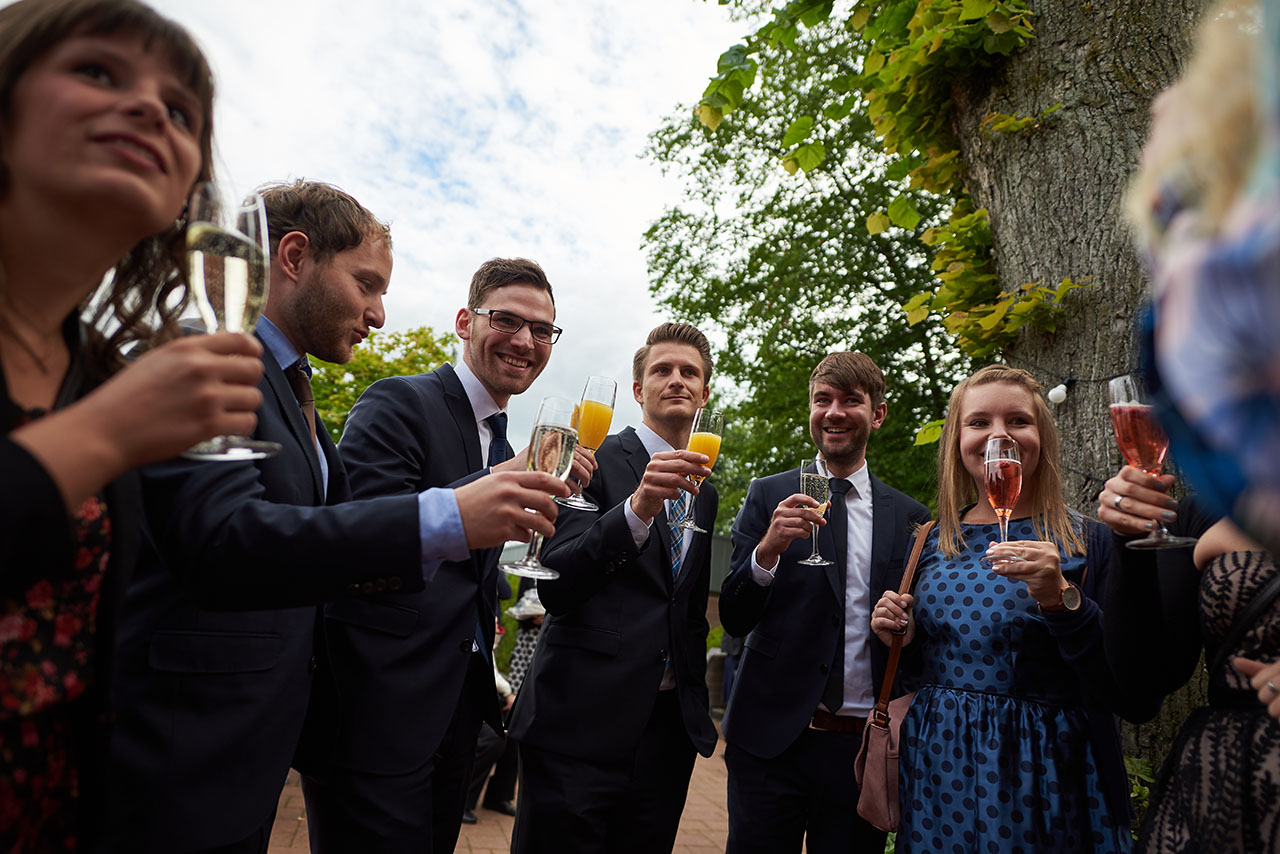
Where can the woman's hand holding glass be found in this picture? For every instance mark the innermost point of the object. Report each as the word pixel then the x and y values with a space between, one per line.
pixel 892 617
pixel 1132 502
pixel 1033 562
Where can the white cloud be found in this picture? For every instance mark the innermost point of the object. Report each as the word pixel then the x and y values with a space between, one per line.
pixel 480 128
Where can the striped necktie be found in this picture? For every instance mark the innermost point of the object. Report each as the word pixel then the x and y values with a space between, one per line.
pixel 675 515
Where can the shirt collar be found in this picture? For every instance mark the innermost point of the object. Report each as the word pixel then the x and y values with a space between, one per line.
pixel 653 443
pixel 278 344
pixel 860 479
pixel 482 404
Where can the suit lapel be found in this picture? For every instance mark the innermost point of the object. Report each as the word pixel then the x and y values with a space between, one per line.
pixel 287 403
pixel 883 516
pixel 464 417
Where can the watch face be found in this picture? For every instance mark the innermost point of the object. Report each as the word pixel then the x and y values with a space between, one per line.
pixel 1071 598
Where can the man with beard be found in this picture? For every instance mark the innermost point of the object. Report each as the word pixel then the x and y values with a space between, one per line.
pixel 811 669
pixel 211 697
pixel 614 708
pixel 412 680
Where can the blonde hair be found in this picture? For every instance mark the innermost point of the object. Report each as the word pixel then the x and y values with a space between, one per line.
pixel 1207 160
pixel 956 489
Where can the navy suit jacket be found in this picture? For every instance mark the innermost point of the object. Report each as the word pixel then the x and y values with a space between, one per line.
pixel 399 662
pixel 792 626
pixel 211 702
pixel 615 618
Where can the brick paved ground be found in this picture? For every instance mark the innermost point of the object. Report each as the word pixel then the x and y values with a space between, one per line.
pixel 703 827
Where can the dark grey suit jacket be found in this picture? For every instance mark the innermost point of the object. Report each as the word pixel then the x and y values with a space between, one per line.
pixel 615 618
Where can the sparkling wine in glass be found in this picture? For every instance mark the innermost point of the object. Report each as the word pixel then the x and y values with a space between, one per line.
pixel 818 487
pixel 228 255
pixel 708 427
pixel 1002 472
pixel 551 451
pixel 592 417
pixel 1143 445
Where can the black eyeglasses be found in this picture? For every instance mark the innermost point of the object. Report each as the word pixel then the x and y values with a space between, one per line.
pixel 506 322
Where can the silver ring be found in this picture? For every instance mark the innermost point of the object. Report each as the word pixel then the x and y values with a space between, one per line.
pixel 1116 503
pixel 1271 686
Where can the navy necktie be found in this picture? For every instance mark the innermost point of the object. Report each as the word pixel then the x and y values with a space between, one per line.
pixel 833 694
pixel 498 440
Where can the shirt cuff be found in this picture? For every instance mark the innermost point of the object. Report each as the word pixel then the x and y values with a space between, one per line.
pixel 440 530
pixel 639 527
pixel 760 575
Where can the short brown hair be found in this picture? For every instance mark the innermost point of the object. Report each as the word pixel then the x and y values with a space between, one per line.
pixel 500 272
pixel 331 219
pixel 849 371
pixel 673 333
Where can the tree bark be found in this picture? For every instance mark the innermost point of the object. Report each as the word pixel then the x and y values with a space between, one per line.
pixel 1054 196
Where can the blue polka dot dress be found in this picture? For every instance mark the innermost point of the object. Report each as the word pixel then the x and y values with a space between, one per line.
pixel 996 755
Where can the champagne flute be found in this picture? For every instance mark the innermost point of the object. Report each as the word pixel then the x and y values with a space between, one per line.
pixel 551 451
pixel 708 427
pixel 818 487
pixel 1144 445
pixel 592 418
pixel 228 250
pixel 1002 469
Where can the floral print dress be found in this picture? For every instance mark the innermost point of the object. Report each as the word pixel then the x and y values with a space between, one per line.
pixel 46 664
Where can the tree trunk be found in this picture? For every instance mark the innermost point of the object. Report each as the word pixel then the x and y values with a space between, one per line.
pixel 1054 195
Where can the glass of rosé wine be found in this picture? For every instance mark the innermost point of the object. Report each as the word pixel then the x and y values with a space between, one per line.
pixel 1002 468
pixel 1143 445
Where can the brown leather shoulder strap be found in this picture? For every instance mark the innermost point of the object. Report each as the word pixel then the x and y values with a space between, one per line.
pixel 881 713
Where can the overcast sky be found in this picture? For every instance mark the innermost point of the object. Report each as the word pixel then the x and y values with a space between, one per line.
pixel 479 128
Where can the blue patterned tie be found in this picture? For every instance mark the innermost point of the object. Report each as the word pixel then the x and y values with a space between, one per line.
pixel 675 515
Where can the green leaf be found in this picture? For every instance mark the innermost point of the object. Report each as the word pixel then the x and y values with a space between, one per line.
pixel 838 110
pixel 998 22
pixel 903 213
pixel 873 63
pixel 877 223
pixel 858 19
pixel 709 115
pixel 930 433
pixel 791 165
pixel 810 155
pixel 799 130
pixel 972 10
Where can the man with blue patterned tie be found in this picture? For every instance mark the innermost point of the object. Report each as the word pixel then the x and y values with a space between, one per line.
pixel 614 709
pixel 409 679
pixel 810 669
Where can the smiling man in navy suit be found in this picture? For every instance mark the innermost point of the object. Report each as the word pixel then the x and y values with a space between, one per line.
pixel 412 680
pixel 216 652
pixel 810 671
pixel 614 709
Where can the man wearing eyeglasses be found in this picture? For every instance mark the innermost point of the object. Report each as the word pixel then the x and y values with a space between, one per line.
pixel 412 680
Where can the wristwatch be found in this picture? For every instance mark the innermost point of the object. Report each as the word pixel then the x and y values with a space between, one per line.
pixel 1069 599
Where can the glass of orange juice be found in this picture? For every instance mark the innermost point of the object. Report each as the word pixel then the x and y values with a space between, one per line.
pixel 592 417
pixel 708 427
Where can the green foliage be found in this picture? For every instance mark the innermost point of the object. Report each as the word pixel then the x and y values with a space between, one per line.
pixel 907 55
pixel 1141 776
pixel 714 637
pixel 781 272
pixel 384 354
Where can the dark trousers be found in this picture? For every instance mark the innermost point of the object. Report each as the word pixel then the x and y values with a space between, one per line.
pixel 633 806
pixel 415 813
pixel 493 750
pixel 807 795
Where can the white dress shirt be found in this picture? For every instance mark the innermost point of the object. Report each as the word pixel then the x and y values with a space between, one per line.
pixel 859 688
pixel 482 406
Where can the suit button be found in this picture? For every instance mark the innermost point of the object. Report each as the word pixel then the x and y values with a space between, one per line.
pixel 662 655
pixel 379 585
pixel 393 583
pixel 366 588
pixel 312 665
pixel 826 668
pixel 466 645
pixel 353 589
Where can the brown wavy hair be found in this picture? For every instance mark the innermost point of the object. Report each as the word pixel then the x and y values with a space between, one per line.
pixel 956 489
pixel 141 301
